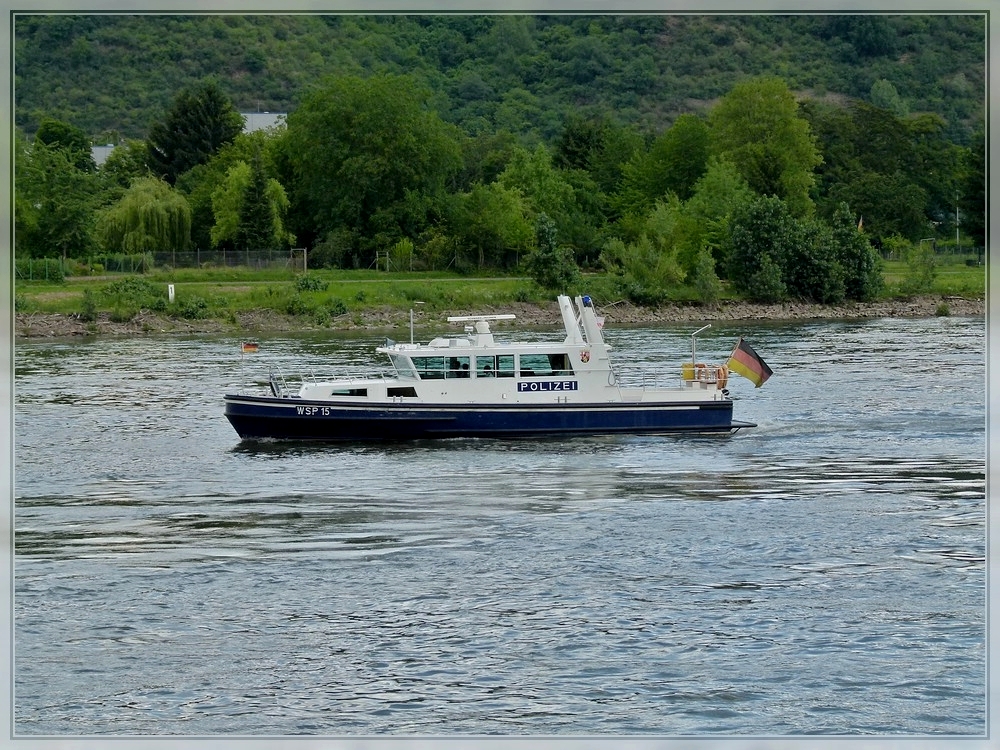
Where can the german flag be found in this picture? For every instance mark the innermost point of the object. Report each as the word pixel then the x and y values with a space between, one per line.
pixel 249 347
pixel 745 361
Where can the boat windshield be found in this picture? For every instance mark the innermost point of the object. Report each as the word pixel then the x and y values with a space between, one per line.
pixel 495 366
pixel 404 368
pixel 545 365
pixel 439 368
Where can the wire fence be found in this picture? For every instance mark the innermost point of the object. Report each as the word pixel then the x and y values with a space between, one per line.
pixel 255 259
pixel 57 269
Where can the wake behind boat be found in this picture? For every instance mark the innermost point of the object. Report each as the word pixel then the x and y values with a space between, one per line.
pixel 475 386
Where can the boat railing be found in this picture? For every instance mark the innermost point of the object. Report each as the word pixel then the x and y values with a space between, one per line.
pixel 276 379
pixel 637 376
pixel 647 378
pixel 347 373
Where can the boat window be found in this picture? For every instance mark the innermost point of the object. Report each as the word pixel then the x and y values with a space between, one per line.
pixel 407 391
pixel 545 365
pixel 349 392
pixel 505 365
pixel 486 367
pixel 458 367
pixel 429 368
pixel 403 367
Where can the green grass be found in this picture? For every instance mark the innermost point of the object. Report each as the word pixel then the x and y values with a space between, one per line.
pixel 953 277
pixel 224 292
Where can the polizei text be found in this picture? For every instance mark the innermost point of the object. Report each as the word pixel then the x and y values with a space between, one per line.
pixel 530 386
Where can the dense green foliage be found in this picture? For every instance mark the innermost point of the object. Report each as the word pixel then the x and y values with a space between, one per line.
pixel 380 167
pixel 114 74
pixel 541 143
pixel 150 217
pixel 199 123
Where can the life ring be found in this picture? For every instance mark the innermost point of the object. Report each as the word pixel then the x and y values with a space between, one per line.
pixel 721 376
pixel 584 356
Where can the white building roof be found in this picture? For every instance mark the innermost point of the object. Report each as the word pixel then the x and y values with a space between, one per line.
pixel 253 121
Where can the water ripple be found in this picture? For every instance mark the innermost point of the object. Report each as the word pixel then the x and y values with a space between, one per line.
pixel 821 574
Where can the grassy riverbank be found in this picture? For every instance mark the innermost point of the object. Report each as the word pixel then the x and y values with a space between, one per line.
pixel 244 300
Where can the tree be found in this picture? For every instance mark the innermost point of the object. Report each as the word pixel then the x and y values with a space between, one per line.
pixel 868 35
pixel 56 134
pixel 54 203
pixel 673 164
pixel 150 217
pixel 757 127
pixel 717 194
pixel 883 94
pixel 648 265
pixel 703 277
pixel 358 150
pixel 258 214
pixel 579 141
pixel 128 161
pixel 921 268
pixel 493 221
pixel 973 189
pixel 762 234
pixel 860 262
pixel 249 209
pixel 200 182
pixel 546 190
pixel 888 203
pixel 810 268
pixel 227 200
pixel 200 121
pixel 551 266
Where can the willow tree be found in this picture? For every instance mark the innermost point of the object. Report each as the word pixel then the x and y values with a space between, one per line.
pixel 150 217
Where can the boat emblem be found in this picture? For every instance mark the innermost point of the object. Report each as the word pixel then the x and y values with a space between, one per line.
pixel 585 356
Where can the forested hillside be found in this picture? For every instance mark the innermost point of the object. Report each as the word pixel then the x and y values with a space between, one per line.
pixel 773 157
pixel 112 75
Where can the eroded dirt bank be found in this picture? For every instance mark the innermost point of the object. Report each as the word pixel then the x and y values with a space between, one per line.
pixel 36 325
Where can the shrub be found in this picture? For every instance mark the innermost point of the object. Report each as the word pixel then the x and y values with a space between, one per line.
pixel 334 250
pixel 706 284
pixel 922 268
pixel 307 282
pixel 89 311
pixel 123 313
pixel 134 293
pixel 523 294
pixel 295 305
pixel 192 308
pixel 23 305
pixel 551 266
pixel 129 286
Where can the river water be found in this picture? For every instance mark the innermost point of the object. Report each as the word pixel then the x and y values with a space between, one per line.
pixel 821 574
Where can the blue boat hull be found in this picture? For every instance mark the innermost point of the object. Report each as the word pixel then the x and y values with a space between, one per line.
pixel 257 417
